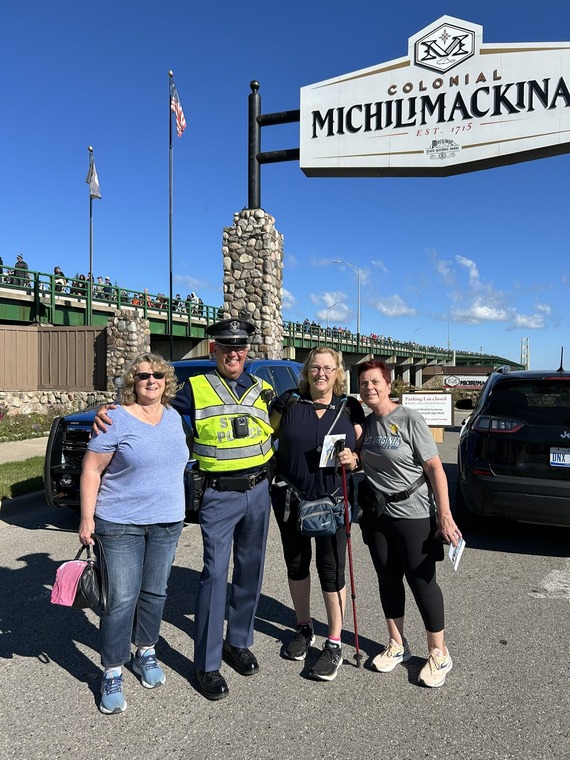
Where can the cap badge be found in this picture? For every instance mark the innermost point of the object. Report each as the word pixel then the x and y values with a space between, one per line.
pixel 234 326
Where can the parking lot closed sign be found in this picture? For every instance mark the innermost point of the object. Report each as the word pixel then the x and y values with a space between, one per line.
pixel 435 408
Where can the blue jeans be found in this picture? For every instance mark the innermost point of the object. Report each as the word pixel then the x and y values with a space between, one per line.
pixel 139 560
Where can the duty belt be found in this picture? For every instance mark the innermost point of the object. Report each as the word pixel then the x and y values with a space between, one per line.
pixel 237 481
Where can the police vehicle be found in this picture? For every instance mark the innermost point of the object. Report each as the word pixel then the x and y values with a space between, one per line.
pixel 69 435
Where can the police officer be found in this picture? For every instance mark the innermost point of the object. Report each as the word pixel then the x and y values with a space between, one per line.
pixel 227 409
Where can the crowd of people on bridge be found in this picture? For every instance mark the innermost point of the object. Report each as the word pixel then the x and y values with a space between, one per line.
pixel 102 289
pixel 133 500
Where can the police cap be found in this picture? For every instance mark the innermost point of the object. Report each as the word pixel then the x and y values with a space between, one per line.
pixel 231 332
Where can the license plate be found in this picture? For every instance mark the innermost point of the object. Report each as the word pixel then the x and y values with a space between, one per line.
pixel 559 457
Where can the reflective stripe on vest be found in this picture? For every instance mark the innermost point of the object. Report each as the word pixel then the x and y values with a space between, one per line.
pixel 227 454
pixel 215 447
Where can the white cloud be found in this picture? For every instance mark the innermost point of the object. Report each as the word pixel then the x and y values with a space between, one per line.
pixel 480 312
pixel 528 321
pixel 327 298
pixel 320 261
pixel 337 312
pixel 394 306
pixel 444 270
pixel 333 305
pixel 472 269
pixel 288 299
pixel 380 265
pixel 192 283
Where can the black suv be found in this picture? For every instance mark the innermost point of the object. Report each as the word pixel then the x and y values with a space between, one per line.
pixel 514 450
pixel 69 435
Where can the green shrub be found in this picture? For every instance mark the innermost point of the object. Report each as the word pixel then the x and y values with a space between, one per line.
pixel 18 427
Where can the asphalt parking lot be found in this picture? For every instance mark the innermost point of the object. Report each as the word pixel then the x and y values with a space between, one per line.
pixel 507 696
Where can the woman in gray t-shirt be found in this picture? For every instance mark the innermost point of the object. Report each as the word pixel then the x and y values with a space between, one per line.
pixel 406 517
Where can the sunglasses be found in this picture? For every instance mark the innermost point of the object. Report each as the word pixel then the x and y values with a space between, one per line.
pixel 147 375
pixel 231 349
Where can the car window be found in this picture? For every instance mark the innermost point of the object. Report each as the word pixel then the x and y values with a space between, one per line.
pixel 539 402
pixel 281 377
pixel 183 373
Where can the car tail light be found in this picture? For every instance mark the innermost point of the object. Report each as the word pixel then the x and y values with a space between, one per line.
pixel 487 424
pixel 484 471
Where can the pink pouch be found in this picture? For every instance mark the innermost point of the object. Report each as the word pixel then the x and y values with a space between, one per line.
pixel 66 582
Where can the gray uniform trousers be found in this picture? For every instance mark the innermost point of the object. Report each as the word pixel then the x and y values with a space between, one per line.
pixel 230 518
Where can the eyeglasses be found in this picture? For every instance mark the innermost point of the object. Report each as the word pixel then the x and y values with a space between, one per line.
pixel 229 349
pixel 147 375
pixel 327 370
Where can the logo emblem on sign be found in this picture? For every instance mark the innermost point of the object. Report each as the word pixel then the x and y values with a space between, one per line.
pixel 444 47
pixel 442 149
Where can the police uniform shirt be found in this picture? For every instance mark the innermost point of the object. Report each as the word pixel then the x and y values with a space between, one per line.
pixel 183 402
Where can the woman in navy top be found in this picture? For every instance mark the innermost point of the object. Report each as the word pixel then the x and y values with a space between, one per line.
pixel 302 420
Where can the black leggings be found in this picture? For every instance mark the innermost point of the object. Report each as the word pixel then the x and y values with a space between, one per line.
pixel 330 551
pixel 401 547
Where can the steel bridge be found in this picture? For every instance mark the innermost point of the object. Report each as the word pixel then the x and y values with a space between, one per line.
pixel 38 299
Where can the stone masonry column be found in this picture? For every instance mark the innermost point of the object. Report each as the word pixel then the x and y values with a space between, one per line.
pixel 253 278
pixel 128 335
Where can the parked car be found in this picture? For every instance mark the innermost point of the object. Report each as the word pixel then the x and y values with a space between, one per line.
pixel 514 450
pixel 69 435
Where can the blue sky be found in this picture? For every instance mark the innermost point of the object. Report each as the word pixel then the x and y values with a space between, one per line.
pixel 479 260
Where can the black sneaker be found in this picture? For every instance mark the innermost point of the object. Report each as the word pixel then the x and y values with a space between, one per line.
pixel 299 645
pixel 330 660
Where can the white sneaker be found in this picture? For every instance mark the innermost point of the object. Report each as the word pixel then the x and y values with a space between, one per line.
pixel 436 668
pixel 392 655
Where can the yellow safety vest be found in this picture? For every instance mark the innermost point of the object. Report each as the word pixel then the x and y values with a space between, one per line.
pixel 216 446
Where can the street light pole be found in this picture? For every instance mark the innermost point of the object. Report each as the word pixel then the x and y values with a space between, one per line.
pixel 330 308
pixel 357 270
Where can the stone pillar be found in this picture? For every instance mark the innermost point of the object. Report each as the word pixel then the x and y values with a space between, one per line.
pixel 253 278
pixel 128 335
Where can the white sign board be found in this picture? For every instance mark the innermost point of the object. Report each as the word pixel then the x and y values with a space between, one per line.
pixel 452 105
pixel 472 382
pixel 435 408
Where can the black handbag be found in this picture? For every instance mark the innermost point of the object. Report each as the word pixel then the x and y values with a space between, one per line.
pixel 83 583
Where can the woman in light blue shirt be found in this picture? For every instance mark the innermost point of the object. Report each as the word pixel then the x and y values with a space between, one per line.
pixel 132 497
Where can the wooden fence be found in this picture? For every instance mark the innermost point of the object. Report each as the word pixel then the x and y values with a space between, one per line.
pixel 38 357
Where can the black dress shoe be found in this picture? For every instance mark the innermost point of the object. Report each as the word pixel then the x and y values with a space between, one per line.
pixel 241 660
pixel 212 684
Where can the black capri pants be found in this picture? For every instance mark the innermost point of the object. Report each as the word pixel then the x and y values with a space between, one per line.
pixel 330 551
pixel 406 548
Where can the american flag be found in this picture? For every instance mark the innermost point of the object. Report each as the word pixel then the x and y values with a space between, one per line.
pixel 176 106
pixel 93 180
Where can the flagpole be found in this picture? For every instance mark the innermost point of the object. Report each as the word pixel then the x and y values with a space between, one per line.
pixel 171 337
pixel 89 293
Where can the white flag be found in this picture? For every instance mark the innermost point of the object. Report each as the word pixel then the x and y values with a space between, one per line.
pixel 93 181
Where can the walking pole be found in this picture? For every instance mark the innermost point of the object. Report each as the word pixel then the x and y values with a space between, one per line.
pixel 358 657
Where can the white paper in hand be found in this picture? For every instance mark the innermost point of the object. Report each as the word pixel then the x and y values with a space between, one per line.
pixel 455 553
pixel 328 458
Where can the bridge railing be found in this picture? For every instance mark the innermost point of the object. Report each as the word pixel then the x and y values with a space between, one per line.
pixel 44 293
pixel 50 290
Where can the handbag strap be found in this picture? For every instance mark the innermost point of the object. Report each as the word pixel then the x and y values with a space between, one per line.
pixel 341 406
